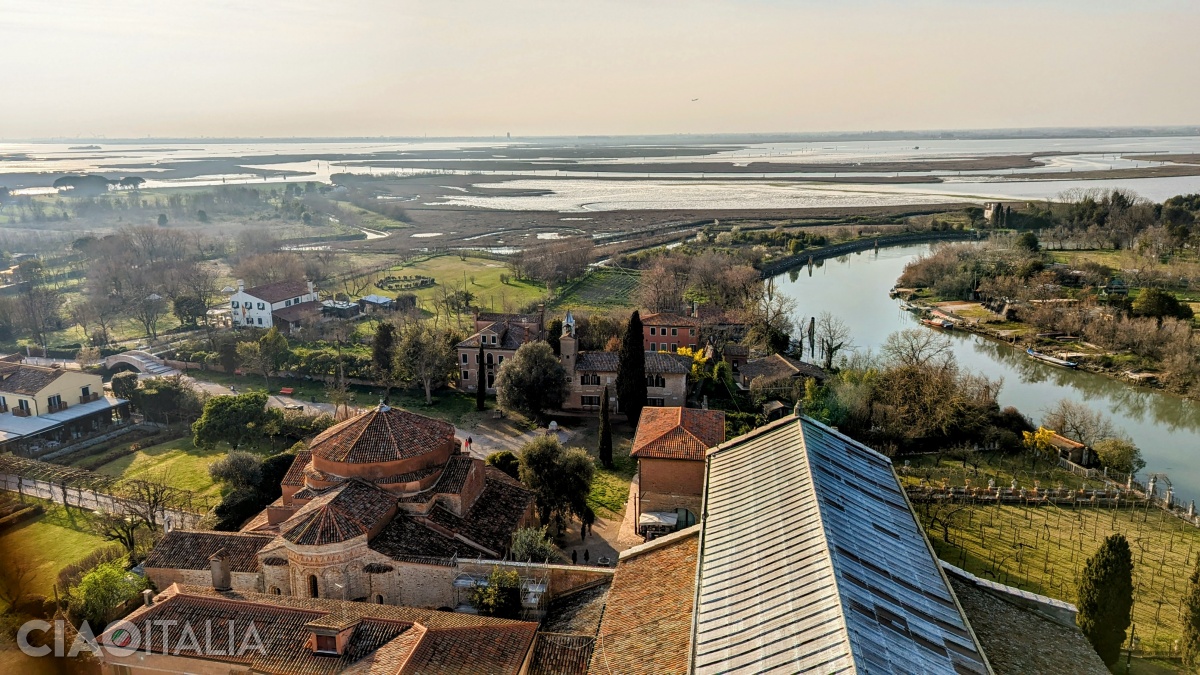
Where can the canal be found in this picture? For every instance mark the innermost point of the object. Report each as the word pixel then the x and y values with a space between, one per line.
pixel 855 287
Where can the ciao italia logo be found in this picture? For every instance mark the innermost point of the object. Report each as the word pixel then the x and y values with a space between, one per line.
pixel 124 638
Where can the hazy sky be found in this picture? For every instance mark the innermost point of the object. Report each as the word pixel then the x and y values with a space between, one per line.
pixel 123 68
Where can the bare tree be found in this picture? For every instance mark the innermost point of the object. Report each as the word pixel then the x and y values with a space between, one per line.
pixel 149 497
pixel 120 528
pixel 833 335
pixel 1077 421
pixel 914 347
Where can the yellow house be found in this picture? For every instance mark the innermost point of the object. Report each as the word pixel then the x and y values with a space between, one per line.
pixel 47 406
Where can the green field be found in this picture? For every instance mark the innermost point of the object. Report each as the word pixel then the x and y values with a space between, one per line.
pixel 55 539
pixel 600 289
pixel 1043 549
pixel 479 276
pixel 935 469
pixel 186 465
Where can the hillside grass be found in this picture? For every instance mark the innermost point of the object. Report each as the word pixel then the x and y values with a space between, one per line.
pixel 48 543
pixel 180 460
pixel 1043 549
pixel 479 276
pixel 600 289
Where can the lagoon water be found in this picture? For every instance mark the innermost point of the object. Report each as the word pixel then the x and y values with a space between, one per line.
pixel 854 288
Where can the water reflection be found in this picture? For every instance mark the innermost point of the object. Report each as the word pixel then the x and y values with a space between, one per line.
pixel 1163 425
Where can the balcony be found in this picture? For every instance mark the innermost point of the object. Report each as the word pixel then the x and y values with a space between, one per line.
pixel 3 408
pixel 21 412
pixel 56 408
pixel 94 396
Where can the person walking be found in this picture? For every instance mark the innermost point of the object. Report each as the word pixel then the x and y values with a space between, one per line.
pixel 585 555
pixel 574 557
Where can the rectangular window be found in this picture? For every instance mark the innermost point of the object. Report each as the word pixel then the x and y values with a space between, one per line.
pixel 466 375
pixel 23 405
pixel 692 332
pixel 326 644
pixel 464 358
pixel 287 303
pixel 652 329
pixel 589 401
pixel 653 346
pixel 295 301
pixel 260 320
pixel 656 402
pixel 234 304
pixel 674 331
pixel 261 306
pixel 674 346
pixel 55 401
pixel 499 359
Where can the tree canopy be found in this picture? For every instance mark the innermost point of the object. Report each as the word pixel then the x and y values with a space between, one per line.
pixel 236 420
pixel 500 597
pixel 560 479
pixel 532 381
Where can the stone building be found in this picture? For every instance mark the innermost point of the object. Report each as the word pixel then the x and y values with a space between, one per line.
pixel 589 372
pixel 284 303
pixel 667 332
pixel 669 446
pixel 380 507
pixel 500 341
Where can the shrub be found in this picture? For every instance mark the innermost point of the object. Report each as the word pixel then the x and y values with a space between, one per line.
pixel 239 469
pixel 506 461
pixel 236 508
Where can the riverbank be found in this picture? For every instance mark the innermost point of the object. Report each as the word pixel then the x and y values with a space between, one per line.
pixel 812 255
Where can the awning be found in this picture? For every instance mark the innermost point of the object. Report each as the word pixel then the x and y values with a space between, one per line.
pixel 659 518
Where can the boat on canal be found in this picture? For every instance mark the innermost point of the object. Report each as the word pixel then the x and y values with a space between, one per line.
pixel 938 323
pixel 1052 360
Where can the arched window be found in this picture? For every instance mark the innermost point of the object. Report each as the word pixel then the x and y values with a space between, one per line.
pixel 379 599
pixel 312 586
pixel 488 356
pixel 275 591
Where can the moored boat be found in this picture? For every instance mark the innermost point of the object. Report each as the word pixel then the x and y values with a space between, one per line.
pixel 1052 360
pixel 938 323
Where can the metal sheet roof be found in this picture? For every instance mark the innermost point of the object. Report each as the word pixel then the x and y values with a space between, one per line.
pixel 811 560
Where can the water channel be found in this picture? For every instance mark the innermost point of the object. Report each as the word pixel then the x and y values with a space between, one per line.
pixel 854 288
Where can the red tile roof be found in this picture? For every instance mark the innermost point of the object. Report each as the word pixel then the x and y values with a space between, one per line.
pixel 297 311
pixel 190 550
pixel 560 654
pixel 386 638
pixel 778 366
pixel 648 619
pixel 678 433
pixel 279 291
pixel 339 514
pixel 382 434
pixel 668 319
pixel 295 474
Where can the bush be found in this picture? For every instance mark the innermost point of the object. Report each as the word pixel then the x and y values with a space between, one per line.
pixel 532 544
pixel 239 469
pixel 71 574
pixel 102 591
pixel 236 508
pixel 501 597
pixel 506 461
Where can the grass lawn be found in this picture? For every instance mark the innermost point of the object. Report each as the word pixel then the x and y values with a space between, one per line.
pixel 55 539
pixel 934 469
pixel 489 292
pixel 599 289
pixel 186 465
pixel 1044 549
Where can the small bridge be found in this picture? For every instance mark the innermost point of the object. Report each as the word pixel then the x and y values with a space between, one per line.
pixel 143 362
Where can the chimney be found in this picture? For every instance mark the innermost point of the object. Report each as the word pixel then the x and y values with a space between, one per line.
pixel 695 309
pixel 220 571
pixel 311 289
pixel 148 597
pixel 241 285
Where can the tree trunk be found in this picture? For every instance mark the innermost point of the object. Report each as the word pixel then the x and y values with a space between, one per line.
pixel 428 391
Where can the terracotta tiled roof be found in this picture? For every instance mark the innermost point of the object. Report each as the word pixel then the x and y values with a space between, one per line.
pixel 678 433
pixel 494 516
pixel 454 476
pixel 279 291
pixel 472 650
pixel 656 362
pixel 339 514
pixel 648 618
pixel 298 311
pixel 190 550
pixel 577 612
pixel 490 523
pixel 668 319
pixel 510 337
pixel 20 378
pixel 559 654
pixel 386 638
pixel 295 474
pixel 508 318
pixel 778 366
pixel 382 434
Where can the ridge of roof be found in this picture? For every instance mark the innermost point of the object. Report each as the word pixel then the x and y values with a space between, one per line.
pixel 659 542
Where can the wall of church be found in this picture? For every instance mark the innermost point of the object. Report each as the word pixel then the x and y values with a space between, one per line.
pixel 239 581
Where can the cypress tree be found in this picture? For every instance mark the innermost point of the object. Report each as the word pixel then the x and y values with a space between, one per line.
pixel 1191 621
pixel 1106 597
pixel 631 370
pixel 383 355
pixel 481 380
pixel 605 450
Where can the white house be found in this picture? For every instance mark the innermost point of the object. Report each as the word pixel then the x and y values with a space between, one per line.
pixel 283 304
